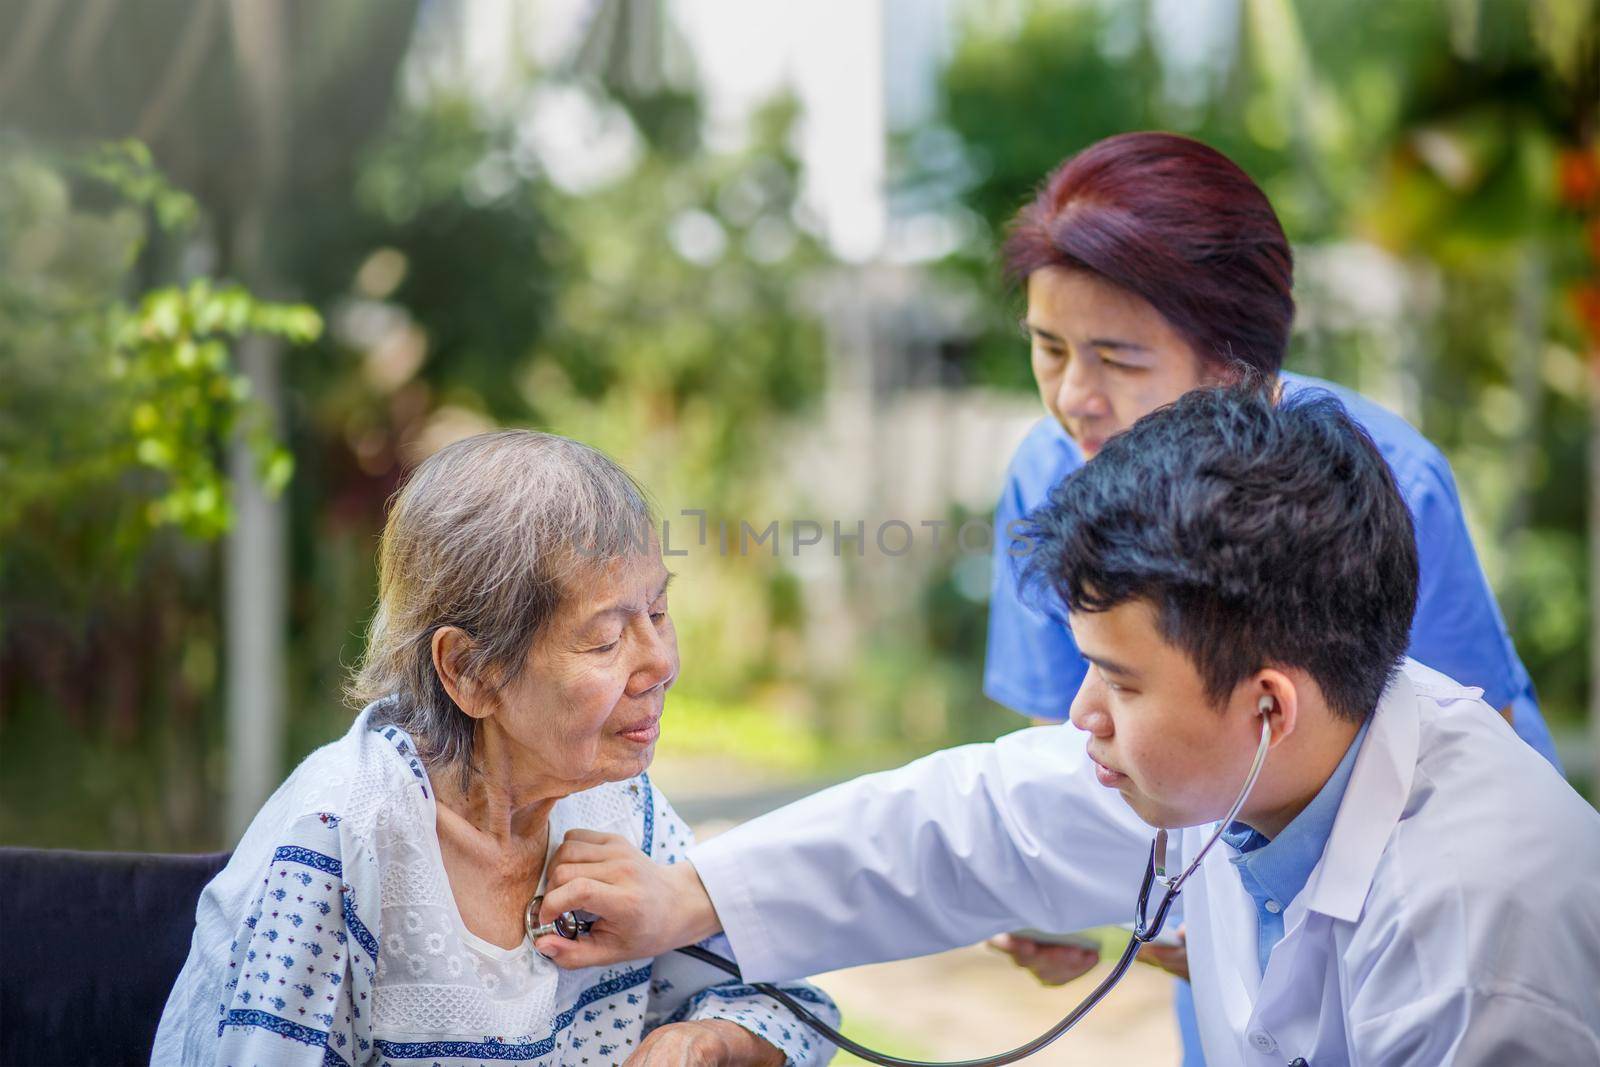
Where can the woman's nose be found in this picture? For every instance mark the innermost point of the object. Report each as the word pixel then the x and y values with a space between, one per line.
pixel 658 661
pixel 1080 395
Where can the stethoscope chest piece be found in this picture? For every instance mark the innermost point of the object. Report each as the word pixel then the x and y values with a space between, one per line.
pixel 566 925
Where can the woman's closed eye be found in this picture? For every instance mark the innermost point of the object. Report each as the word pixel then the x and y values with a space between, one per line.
pixel 1114 355
pixel 1113 364
pixel 609 642
pixel 605 642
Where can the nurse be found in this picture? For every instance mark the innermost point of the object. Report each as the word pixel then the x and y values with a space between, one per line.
pixel 1406 884
pixel 1152 264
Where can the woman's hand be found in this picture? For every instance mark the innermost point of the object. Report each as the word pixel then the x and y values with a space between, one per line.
pixel 705 1043
pixel 1174 959
pixel 645 908
pixel 1051 964
pixel 1060 964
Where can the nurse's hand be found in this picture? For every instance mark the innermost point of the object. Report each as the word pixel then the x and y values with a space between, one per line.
pixel 1174 959
pixel 704 1043
pixel 646 908
pixel 1051 964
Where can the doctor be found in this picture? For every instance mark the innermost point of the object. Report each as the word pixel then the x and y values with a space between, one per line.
pixel 1405 886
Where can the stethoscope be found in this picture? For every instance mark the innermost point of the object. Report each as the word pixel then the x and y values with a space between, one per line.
pixel 1145 929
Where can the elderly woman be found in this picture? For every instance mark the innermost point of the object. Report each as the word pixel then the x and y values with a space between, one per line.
pixel 377 910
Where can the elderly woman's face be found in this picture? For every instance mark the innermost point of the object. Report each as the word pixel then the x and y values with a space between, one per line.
pixel 587 705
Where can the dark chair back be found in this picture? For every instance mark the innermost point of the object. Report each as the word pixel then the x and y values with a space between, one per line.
pixel 90 944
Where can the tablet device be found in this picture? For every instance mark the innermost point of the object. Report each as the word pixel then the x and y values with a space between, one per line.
pixel 1081 939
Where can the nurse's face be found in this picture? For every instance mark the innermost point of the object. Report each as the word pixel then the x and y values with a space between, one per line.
pixel 1154 734
pixel 1103 357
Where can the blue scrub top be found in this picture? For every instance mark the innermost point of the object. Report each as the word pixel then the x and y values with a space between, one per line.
pixel 1034 667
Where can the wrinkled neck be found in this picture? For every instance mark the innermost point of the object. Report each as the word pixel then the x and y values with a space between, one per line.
pixel 503 798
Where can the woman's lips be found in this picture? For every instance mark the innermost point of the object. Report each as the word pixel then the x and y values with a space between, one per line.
pixel 644 733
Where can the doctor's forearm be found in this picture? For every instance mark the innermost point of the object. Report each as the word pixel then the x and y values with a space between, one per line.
pixel 943 852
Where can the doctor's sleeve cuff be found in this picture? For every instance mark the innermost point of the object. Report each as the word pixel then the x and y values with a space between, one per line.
pixel 718 865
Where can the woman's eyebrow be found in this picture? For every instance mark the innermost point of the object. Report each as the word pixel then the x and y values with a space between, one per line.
pixel 1112 343
pixel 633 609
pixel 1041 333
pixel 613 609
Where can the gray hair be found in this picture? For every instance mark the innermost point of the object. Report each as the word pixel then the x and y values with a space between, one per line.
pixel 488 535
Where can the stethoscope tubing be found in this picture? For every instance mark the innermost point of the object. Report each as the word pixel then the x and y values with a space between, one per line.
pixel 873 1056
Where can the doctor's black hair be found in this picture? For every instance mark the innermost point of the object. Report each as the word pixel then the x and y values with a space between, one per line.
pixel 1264 534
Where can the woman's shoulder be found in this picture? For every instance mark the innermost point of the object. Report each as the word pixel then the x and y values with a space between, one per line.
pixel 1409 453
pixel 350 784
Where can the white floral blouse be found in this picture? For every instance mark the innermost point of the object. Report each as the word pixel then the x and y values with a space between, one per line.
pixel 332 938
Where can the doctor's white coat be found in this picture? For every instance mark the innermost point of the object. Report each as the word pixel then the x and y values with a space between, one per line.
pixel 1454 917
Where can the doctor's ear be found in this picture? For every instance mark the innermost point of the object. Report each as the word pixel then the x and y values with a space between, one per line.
pixel 1276 699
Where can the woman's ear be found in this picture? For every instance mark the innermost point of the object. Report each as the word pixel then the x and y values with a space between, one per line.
pixel 451 648
pixel 1214 372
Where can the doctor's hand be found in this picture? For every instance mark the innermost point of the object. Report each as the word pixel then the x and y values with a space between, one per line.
pixel 1174 959
pixel 704 1043
pixel 645 908
pixel 1051 964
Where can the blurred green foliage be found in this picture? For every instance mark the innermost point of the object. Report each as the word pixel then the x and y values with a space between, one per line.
pixel 140 395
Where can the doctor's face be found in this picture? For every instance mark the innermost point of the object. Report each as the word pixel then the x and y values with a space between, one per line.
pixel 1154 734
pixel 1102 356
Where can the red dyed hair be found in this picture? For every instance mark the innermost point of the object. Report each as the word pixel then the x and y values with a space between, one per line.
pixel 1178 223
